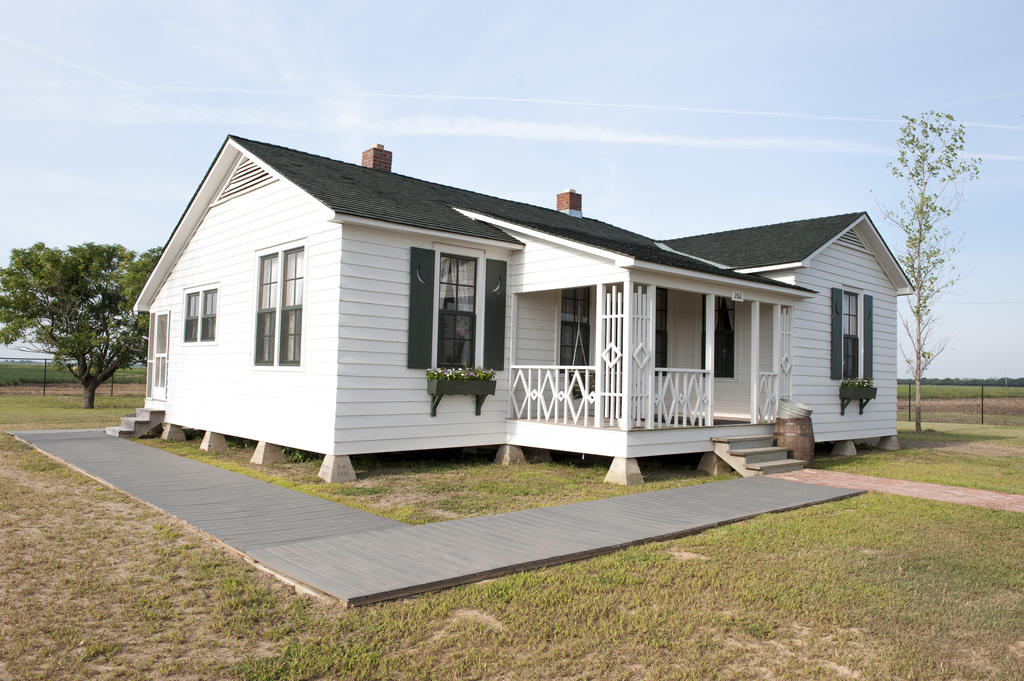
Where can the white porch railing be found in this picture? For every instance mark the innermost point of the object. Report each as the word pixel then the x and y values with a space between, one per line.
pixel 553 394
pixel 767 396
pixel 566 394
pixel 680 398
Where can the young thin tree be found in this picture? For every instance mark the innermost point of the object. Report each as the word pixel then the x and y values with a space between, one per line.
pixel 77 304
pixel 934 169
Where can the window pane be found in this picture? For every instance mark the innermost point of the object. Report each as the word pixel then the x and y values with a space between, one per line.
pixel 850 314
pixel 292 278
pixel 455 346
pixel 268 282
pixel 448 270
pixel 209 328
pixel 209 303
pixel 265 337
pixel 449 296
pixel 851 357
pixel 291 336
pixel 161 334
pixel 467 272
pixel 192 305
pixel 467 299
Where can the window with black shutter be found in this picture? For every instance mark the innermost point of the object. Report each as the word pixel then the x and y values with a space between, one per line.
pixel 851 337
pixel 456 312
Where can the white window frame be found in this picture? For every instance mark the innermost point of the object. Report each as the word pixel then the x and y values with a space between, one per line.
pixel 481 278
pixel 279 250
pixel 199 320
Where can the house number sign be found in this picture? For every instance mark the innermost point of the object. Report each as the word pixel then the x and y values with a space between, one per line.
pixel 737 296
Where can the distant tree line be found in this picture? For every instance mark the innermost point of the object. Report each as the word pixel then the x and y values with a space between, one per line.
pixel 1012 382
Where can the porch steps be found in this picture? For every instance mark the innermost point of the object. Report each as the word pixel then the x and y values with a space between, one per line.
pixel 144 421
pixel 751 455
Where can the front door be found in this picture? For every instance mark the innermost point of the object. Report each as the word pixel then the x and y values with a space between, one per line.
pixel 156 364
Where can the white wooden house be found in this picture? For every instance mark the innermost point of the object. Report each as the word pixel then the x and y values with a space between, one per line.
pixel 300 299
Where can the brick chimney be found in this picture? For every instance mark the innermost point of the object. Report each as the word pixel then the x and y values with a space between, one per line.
pixel 570 201
pixel 378 158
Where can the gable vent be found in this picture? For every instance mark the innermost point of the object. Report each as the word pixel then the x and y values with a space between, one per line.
pixel 851 239
pixel 247 176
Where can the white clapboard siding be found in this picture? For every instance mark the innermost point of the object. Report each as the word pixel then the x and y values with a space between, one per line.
pixel 844 265
pixel 685 326
pixel 215 386
pixel 537 327
pixel 380 405
pixel 541 266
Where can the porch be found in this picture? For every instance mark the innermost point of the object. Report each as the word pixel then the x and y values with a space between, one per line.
pixel 641 357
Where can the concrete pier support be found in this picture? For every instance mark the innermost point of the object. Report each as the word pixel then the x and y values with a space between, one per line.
pixel 213 442
pixel 844 448
pixel 624 471
pixel 712 464
pixel 509 455
pixel 889 443
pixel 267 453
pixel 173 433
pixel 336 469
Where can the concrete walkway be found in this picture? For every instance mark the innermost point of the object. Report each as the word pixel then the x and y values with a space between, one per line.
pixel 362 558
pixel 1001 501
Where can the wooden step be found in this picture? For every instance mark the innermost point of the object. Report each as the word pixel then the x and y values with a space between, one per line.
pixel 776 466
pixel 760 454
pixel 742 438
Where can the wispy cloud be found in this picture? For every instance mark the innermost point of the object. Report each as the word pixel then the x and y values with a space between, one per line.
pixel 560 132
pixel 111 79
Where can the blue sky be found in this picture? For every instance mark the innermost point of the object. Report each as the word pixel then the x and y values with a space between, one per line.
pixel 670 118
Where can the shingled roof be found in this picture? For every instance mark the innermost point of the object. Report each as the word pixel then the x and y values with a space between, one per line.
pixel 352 189
pixel 783 242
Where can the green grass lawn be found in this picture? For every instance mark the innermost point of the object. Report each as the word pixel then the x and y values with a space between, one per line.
pixel 433 486
pixel 99 586
pixel 982 457
pixel 22 374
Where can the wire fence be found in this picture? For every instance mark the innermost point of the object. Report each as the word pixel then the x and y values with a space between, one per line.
pixel 31 376
pixel 984 404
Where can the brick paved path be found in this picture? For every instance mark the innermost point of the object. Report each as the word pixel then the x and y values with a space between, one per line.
pixel 1000 501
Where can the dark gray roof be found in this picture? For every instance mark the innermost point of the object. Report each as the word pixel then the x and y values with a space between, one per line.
pixel 776 244
pixel 352 189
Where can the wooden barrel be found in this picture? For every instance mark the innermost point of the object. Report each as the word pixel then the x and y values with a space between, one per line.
pixel 796 435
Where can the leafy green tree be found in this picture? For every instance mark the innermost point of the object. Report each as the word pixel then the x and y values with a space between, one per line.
pixel 932 165
pixel 77 304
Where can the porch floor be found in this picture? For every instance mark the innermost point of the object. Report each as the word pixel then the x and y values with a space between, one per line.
pixel 361 558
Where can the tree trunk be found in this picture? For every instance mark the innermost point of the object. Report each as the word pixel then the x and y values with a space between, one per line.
pixel 917 404
pixel 89 395
pixel 918 351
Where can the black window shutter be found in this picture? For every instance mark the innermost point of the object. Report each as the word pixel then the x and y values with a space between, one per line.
pixel 837 333
pixel 421 307
pixel 869 328
pixel 494 314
